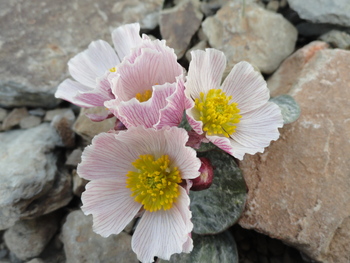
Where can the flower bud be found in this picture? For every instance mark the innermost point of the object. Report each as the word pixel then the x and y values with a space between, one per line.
pixel 205 179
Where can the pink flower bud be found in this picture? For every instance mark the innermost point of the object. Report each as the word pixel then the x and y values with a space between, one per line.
pixel 205 179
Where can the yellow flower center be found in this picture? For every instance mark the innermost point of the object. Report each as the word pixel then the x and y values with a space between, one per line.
pixel 155 184
pixel 114 69
pixel 218 115
pixel 144 96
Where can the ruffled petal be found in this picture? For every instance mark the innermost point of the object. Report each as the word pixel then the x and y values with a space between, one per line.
pixel 246 86
pixel 192 116
pixel 125 38
pixel 106 158
pixel 257 129
pixel 68 90
pixel 92 63
pixel 134 113
pixel 172 113
pixel 111 205
pixel 205 71
pixel 163 233
pixel 223 143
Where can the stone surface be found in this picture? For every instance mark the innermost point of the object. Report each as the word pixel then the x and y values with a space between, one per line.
pixel 179 24
pixel 202 45
pixel 337 39
pixel 74 158
pixel 28 238
pixel 78 184
pixel 253 34
pixel 81 244
pixel 30 184
pixel 324 11
pixel 63 124
pixel 299 187
pixel 3 114
pixel 14 118
pixel 38 38
pixel 29 122
pixel 50 114
pixel 87 129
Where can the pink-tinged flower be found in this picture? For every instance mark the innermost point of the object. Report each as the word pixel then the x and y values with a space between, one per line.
pixel 149 88
pixel 141 171
pixel 236 116
pixel 94 68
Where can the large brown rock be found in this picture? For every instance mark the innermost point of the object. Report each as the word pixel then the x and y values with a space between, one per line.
pixel 299 187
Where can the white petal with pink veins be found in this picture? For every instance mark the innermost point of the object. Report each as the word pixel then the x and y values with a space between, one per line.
pixel 205 71
pixel 163 233
pixel 125 38
pixel 68 90
pixel 92 63
pixel 246 86
pixel 106 158
pixel 111 205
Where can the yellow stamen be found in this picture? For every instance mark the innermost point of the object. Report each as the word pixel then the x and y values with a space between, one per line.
pixel 144 96
pixel 155 184
pixel 218 115
pixel 114 69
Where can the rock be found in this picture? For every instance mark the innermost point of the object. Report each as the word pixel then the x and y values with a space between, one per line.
pixel 36 260
pixel 63 125
pixel 14 118
pixel 30 184
pixel 337 39
pixel 3 114
pixel 144 12
pixel 35 46
pixel 273 5
pixel 299 187
pixel 87 128
pixel 202 45
pixel 325 11
pixel 29 122
pixel 78 184
pixel 37 112
pixel 258 36
pixel 74 158
pixel 209 7
pixel 28 238
pixel 81 244
pixel 179 24
pixel 50 114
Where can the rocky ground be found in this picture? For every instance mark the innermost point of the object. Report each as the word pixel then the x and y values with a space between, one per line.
pixel 298 207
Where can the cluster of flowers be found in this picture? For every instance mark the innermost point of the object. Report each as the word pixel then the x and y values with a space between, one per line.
pixel 147 169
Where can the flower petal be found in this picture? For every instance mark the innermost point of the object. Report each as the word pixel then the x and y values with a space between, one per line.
pixel 192 117
pixel 205 71
pixel 106 158
pixel 68 90
pixel 125 38
pixel 246 86
pixel 111 205
pixel 92 63
pixel 163 233
pixel 172 113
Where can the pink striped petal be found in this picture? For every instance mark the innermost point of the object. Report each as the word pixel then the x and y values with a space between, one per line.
pixel 163 233
pixel 172 113
pixel 93 63
pixel 111 205
pixel 125 38
pixel 205 71
pixel 192 116
pixel 106 158
pixel 68 90
pixel 246 86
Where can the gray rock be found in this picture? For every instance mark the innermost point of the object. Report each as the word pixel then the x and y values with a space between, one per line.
pixel 323 11
pixel 14 118
pixel 28 238
pixel 81 244
pixel 35 260
pixel 78 184
pixel 41 36
pixel 63 124
pixel 3 114
pixel 337 39
pixel 29 122
pixel 50 114
pixel 202 45
pixel 30 184
pixel 179 24
pixel 74 158
pixel 253 34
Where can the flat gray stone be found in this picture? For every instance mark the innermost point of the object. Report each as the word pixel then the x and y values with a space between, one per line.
pixel 30 183
pixel 323 11
pixel 81 244
pixel 39 37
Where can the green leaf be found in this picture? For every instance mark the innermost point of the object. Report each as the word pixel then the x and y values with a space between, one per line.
pixel 289 108
pixel 220 206
pixel 206 147
pixel 208 249
pixel 184 123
